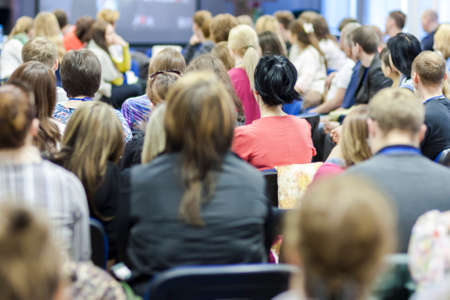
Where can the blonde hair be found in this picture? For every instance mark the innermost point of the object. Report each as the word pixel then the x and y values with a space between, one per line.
pixel 108 15
pixel 23 25
pixel 46 25
pixel 221 51
pixel 92 138
pixel 30 262
pixel 270 23
pixel 397 108
pixel 442 40
pixel 243 40
pixel 341 234
pixel 245 19
pixel 155 136
pixel 355 132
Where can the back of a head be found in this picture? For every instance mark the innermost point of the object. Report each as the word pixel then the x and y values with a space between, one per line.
pixel 267 23
pixel 321 28
pixel 367 38
pixel 221 51
pixel 442 40
pixel 199 124
pixel 354 138
pixel 404 48
pixel 97 33
pixel 23 25
pixel 159 84
pixel 346 33
pixel 83 28
pixel 201 17
pixel 397 109
pixel 40 49
pixel 270 44
pixel 341 250
pixel 431 68
pixel 61 16
pixel 108 15
pixel 16 115
pixel 245 19
pixel 30 263
pixel 220 27
pixel 275 78
pixel 345 22
pixel 167 60
pixel 46 25
pixel 284 17
pixel 399 18
pixel 80 73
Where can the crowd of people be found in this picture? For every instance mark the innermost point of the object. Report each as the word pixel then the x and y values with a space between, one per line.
pixel 172 162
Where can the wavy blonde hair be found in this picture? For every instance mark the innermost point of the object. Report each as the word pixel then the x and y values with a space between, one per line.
pixel 23 25
pixel 46 25
pixel 155 136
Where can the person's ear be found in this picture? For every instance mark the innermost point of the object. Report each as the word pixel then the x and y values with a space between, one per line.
pixel 372 127
pixel 34 128
pixel 422 132
pixel 415 78
pixel 55 65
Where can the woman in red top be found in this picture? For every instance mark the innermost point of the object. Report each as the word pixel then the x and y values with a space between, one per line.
pixel 79 35
pixel 277 138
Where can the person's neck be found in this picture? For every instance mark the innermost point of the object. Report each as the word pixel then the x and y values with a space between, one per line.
pixel 237 61
pixel 395 80
pixel 394 31
pixel 366 59
pixel 25 154
pixel 426 93
pixel 393 138
pixel 271 111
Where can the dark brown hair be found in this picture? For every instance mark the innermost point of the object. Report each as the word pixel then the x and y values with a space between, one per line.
pixel 16 114
pixel 221 51
pixel 430 66
pixel 43 82
pixel 270 44
pixel 98 31
pixel 167 59
pixel 221 26
pixel 284 17
pixel 83 28
pixel 321 29
pixel 399 18
pixel 81 73
pixel 61 16
pixel 202 18
pixel 367 38
pixel 297 28
pixel 199 124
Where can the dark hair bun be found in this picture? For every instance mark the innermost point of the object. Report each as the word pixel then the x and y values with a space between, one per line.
pixel 275 78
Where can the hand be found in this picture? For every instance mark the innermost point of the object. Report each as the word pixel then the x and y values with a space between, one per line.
pixel 330 126
pixel 335 134
pixel 329 80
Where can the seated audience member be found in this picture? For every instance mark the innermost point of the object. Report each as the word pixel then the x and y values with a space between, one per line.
pixel 112 88
pixel 92 155
pixel 413 182
pixel 63 21
pixel 341 79
pixel 46 25
pixel 429 74
pixel 442 42
pixel 430 23
pixel 30 262
pixel 110 16
pixel 79 35
pixel 209 63
pixel 42 81
pixel 222 52
pixel 310 63
pixel 10 58
pixel 270 44
pixel 155 135
pixel 334 56
pixel 276 139
pixel 43 50
pixel 244 47
pixel 386 67
pixel 370 75
pixel 199 43
pixel 137 110
pixel 339 238
pixel 352 147
pixel 56 191
pixel 404 48
pixel 285 17
pixel 221 26
pixel 179 226
pixel 270 23
pixel 80 76
pixel 395 22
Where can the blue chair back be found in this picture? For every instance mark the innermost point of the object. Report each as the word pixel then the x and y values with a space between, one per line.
pixel 444 158
pixel 99 244
pixel 252 282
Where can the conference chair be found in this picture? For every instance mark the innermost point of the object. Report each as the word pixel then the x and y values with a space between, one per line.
pixel 249 282
pixel 271 178
pixel 99 243
pixel 444 158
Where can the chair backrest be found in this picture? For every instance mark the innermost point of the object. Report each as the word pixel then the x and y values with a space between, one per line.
pixel 444 158
pixel 252 282
pixel 313 120
pixel 271 178
pixel 99 243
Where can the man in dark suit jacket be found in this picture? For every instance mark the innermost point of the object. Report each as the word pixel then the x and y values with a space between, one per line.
pixel 414 183
pixel 430 23
pixel 370 75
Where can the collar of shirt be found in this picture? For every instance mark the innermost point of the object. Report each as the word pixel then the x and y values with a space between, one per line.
pixel 434 98
pixel 394 149
pixel 84 99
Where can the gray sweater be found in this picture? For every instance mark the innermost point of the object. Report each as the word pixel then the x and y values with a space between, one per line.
pixel 414 183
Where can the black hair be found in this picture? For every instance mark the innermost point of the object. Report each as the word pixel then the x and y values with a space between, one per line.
pixel 404 48
pixel 275 78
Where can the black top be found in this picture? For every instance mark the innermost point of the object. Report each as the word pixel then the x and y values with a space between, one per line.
pixel 235 218
pixel 133 150
pixel 437 120
pixel 428 41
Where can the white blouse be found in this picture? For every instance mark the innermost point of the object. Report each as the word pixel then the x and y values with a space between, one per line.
pixel 335 57
pixel 311 70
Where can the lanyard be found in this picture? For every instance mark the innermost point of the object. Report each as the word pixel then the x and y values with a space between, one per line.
pixel 81 99
pixel 399 149
pixel 433 98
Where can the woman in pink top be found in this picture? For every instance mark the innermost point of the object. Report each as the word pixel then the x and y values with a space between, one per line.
pixel 276 139
pixel 244 47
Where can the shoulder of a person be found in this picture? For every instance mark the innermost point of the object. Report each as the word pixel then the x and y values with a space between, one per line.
pixel 62 175
pixel 247 171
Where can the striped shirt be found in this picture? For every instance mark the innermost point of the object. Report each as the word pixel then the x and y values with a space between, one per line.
pixel 57 193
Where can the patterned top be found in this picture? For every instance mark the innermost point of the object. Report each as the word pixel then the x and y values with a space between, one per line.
pixel 62 114
pixel 58 193
pixel 136 111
